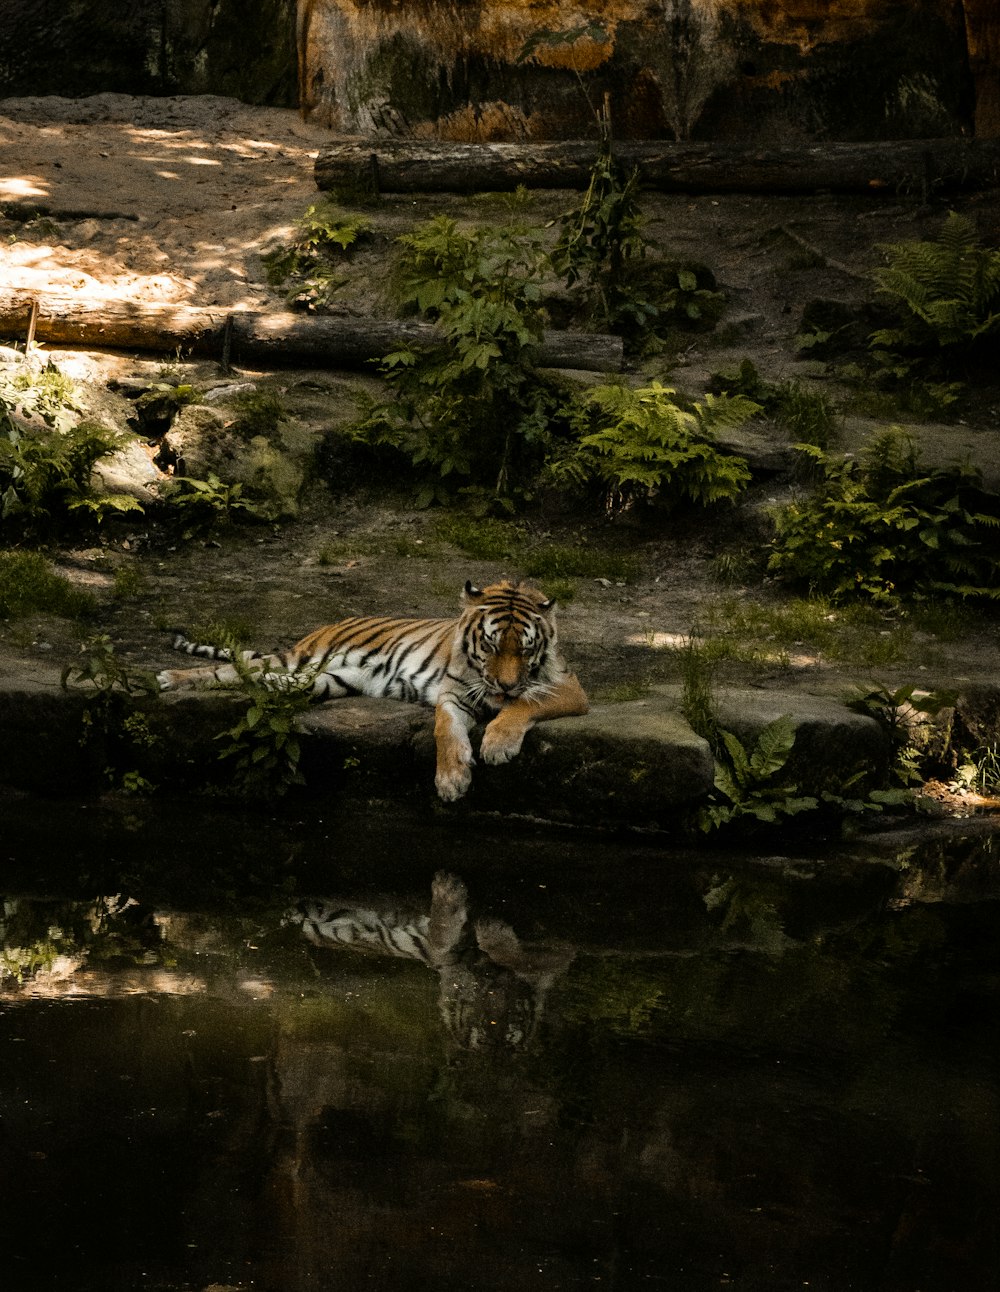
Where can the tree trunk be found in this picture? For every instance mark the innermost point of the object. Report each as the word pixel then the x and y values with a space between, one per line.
pixel 917 166
pixel 311 339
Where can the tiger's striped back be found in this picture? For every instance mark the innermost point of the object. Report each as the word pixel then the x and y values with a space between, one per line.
pixel 363 930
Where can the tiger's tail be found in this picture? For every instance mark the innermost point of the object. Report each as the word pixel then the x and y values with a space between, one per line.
pixel 204 650
pixel 230 664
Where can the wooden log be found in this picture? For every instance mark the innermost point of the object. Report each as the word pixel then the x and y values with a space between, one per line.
pixel 311 339
pixel 918 166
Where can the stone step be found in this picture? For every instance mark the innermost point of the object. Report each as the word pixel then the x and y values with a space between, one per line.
pixel 631 765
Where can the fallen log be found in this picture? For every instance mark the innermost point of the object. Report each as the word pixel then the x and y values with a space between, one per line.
pixel 315 340
pixel 918 166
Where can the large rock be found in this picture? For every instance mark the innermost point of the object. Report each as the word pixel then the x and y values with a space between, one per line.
pixel 725 70
pixel 832 742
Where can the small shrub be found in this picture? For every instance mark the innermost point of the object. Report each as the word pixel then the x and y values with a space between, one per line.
pixel 265 745
pixel 204 504
pixel 807 415
pixel 886 526
pixel 902 714
pixel 598 240
pixel 472 415
pixel 110 723
pixel 45 469
pixel 749 780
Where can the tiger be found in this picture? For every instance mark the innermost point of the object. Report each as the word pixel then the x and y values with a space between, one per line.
pixel 492 989
pixel 499 660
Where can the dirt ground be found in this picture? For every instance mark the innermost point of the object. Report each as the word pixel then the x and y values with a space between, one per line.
pixel 173 200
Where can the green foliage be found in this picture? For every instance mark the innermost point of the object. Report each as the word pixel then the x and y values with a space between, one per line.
pixel 312 264
pixel 748 779
pixel 807 415
pixel 473 414
pixel 886 526
pixel 29 585
pixel 682 294
pixel 204 504
pixel 265 745
pixel 103 672
pixel 601 252
pixel 109 720
pixel 598 240
pixel 157 407
pixel 698 665
pixel 47 456
pixel 644 445
pixel 948 294
pixel 902 714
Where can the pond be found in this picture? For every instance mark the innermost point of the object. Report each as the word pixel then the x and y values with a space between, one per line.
pixel 243 1052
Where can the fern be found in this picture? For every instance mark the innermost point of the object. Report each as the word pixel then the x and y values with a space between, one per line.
pixel 948 292
pixel 310 263
pixel 645 445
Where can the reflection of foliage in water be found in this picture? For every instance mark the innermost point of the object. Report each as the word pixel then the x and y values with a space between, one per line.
pixel 54 939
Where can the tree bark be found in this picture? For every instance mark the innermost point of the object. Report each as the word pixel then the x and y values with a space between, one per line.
pixel 310 339
pixel 917 166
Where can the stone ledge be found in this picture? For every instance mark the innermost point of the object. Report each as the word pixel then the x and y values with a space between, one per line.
pixel 636 764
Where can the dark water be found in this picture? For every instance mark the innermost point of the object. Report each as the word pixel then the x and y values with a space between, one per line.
pixel 244 1053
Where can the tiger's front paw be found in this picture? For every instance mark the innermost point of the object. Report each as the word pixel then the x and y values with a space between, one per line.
pixel 501 744
pixel 454 775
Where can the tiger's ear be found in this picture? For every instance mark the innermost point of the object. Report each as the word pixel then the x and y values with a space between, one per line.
pixel 546 606
pixel 470 593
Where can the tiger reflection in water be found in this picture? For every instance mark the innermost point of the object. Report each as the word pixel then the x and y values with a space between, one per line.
pixel 492 989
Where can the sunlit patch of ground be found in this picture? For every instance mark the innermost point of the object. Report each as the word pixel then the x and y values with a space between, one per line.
pixel 170 206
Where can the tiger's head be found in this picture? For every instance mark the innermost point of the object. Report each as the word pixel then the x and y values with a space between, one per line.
pixel 508 634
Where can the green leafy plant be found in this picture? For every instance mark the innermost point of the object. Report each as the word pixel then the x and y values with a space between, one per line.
pixel 204 504
pixel 312 264
pixel 598 240
pixel 646 445
pixel 886 526
pixel 748 779
pixel 157 407
pixel 948 295
pixel 903 713
pixel 807 415
pixel 265 745
pixel 110 722
pixel 46 466
pixel 473 414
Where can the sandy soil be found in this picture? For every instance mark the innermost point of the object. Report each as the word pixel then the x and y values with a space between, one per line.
pixel 172 200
